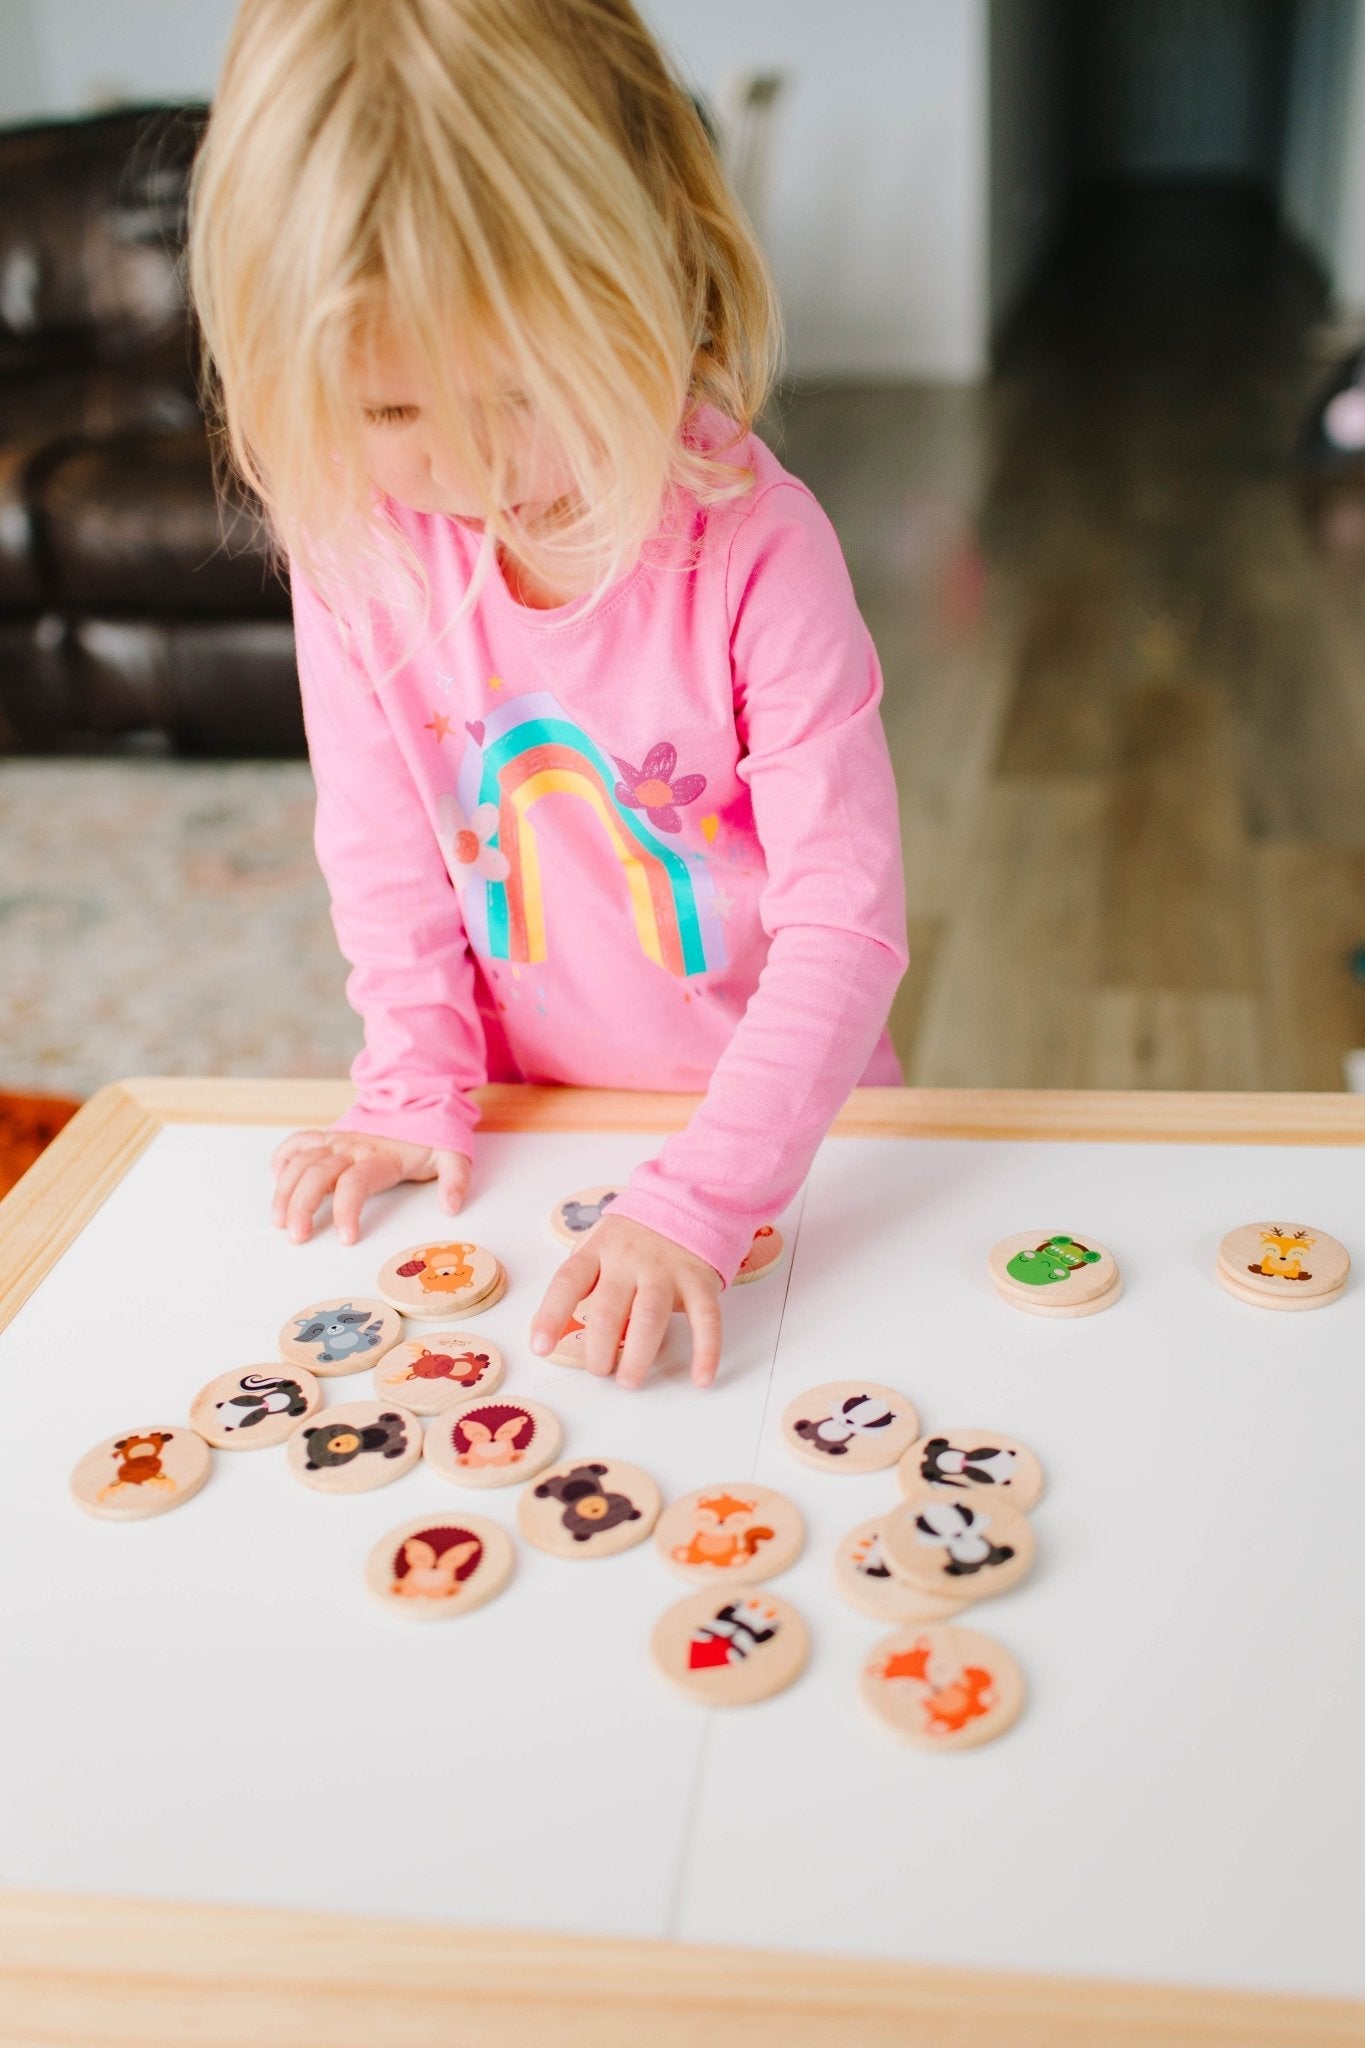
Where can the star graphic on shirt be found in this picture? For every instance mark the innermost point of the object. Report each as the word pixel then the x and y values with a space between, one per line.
pixel 495 682
pixel 722 905
pixel 446 682
pixel 439 724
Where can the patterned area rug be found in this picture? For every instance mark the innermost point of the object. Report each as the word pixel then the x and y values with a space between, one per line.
pixel 161 917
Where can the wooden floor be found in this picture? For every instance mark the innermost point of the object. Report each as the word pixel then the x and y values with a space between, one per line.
pixel 1124 646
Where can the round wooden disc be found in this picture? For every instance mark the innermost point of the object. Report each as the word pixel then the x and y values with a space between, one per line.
pixel 763 1256
pixel 255 1407
pixel 429 1374
pixel 731 1532
pixel 572 1348
pixel 493 1443
pixel 849 1426
pixel 969 1460
pixel 942 1687
pixel 1062 1312
pixel 967 1548
pixel 589 1508
pixel 1040 1270
pixel 578 1215
pixel 493 1296
pixel 443 1276
pixel 1283 1264
pixel 144 1472
pixel 355 1447
pixel 730 1650
pixel 1285 1302
pixel 439 1565
pixel 342 1335
pixel 867 1582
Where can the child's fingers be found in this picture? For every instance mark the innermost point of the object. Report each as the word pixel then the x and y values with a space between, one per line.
pixel 452 1180
pixel 574 1279
pixel 649 1314
pixel 297 1141
pixel 610 1304
pixel 290 1174
pixel 314 1183
pixel 359 1179
pixel 703 1313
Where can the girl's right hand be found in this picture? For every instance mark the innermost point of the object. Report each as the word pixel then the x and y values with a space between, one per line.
pixel 350 1166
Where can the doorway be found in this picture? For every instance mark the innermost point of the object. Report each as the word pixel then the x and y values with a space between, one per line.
pixel 1159 871
pixel 1102 101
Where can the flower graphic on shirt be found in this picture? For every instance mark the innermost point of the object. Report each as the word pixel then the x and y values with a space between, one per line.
pixel 464 843
pixel 654 789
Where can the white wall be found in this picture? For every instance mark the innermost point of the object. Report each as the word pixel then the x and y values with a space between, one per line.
pixel 21 79
pixel 876 214
pixel 1324 157
pixel 92 52
pixel 1348 269
pixel 1027 170
pixel 1319 61
pixel 876 220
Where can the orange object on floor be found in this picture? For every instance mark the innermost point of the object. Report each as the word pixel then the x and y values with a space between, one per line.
pixel 27 1124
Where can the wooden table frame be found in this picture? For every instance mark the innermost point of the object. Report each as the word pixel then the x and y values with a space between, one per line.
pixel 79 1972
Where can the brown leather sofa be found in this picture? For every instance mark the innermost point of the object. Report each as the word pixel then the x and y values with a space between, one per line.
pixel 134 614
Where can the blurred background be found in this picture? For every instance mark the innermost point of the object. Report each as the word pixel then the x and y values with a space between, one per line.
pixel 1076 299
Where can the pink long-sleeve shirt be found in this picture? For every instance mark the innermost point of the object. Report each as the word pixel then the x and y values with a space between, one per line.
pixel 656 847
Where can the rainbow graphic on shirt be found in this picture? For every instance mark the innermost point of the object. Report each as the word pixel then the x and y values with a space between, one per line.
pixel 528 750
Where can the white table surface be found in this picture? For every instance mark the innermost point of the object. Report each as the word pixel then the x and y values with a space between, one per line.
pixel 208 1705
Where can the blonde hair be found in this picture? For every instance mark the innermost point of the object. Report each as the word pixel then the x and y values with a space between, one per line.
pixel 524 192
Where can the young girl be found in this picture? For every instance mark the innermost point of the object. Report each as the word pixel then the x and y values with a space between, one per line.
pixel 603 795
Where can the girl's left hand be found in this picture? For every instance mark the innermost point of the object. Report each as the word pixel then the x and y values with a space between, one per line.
pixel 637 1276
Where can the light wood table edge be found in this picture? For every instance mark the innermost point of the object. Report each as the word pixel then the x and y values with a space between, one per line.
pixel 51 1204
pixel 1082 1115
pixel 80 1972
pixel 55 1199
